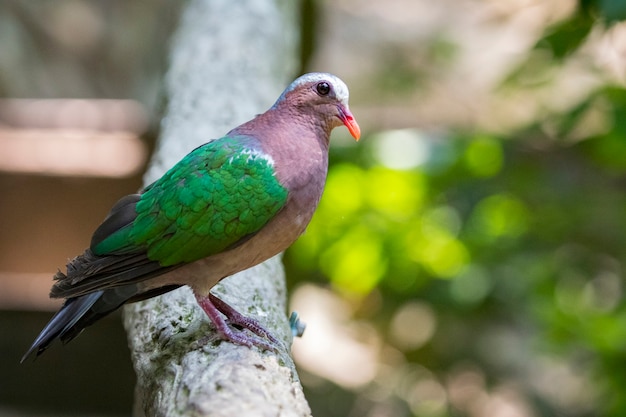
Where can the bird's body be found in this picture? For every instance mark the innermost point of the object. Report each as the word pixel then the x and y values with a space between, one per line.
pixel 225 207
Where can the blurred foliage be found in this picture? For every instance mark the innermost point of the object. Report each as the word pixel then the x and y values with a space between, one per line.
pixel 514 241
pixel 566 36
pixel 490 265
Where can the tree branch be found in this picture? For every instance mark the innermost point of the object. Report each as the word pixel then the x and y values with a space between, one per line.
pixel 229 61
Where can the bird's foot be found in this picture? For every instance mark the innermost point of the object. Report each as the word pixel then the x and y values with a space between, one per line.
pixel 214 308
pixel 238 319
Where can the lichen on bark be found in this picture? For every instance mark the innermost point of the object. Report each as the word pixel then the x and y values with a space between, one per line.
pixel 228 62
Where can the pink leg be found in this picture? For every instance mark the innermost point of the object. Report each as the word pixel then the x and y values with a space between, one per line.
pixel 238 319
pixel 214 308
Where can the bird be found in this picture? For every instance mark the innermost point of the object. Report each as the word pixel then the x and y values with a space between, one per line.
pixel 226 206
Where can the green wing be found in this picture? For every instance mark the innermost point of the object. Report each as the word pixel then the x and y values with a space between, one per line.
pixel 216 196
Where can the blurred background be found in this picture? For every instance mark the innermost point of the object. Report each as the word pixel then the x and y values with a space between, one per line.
pixel 467 258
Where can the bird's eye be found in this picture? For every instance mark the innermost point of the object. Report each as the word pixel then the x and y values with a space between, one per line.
pixel 323 88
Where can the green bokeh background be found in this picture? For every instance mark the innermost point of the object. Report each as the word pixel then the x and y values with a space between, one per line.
pixel 488 264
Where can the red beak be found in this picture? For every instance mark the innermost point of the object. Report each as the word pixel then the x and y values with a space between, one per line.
pixel 348 119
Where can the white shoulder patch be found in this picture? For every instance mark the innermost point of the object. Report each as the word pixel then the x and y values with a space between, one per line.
pixel 249 154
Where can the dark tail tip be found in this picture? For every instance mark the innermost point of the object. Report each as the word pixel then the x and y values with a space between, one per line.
pixel 62 323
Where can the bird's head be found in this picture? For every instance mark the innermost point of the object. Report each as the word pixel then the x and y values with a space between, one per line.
pixel 323 95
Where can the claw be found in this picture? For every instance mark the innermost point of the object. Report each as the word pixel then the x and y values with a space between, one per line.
pixel 213 306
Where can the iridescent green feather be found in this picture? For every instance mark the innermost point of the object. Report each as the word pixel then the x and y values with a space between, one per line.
pixel 217 195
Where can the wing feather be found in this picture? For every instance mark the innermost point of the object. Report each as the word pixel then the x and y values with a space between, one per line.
pixel 215 198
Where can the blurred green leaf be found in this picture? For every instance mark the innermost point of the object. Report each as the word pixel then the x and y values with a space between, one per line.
pixel 511 245
pixel 483 156
pixel 612 10
pixel 565 37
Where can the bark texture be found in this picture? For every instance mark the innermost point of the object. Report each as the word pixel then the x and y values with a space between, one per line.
pixel 228 61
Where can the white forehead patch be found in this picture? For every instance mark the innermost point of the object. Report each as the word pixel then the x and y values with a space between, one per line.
pixel 340 88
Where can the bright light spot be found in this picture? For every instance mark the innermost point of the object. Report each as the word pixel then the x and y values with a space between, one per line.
pixel 564 384
pixel 444 217
pixel 413 325
pixel 466 388
pixel 332 347
pixel 471 286
pixel 401 149
pixel 604 292
pixel 444 256
pixel 72 136
pixel 71 152
pixel 436 250
pixel 343 194
pixel 428 398
pixel 468 392
pixel 484 157
pixel 76 114
pixel 356 262
pixel 499 215
pixel 395 193
pixel 506 402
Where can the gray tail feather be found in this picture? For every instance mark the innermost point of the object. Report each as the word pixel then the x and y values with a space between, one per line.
pixel 63 322
pixel 80 312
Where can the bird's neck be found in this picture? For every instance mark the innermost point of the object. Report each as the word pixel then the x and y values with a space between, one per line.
pixel 287 128
pixel 297 144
